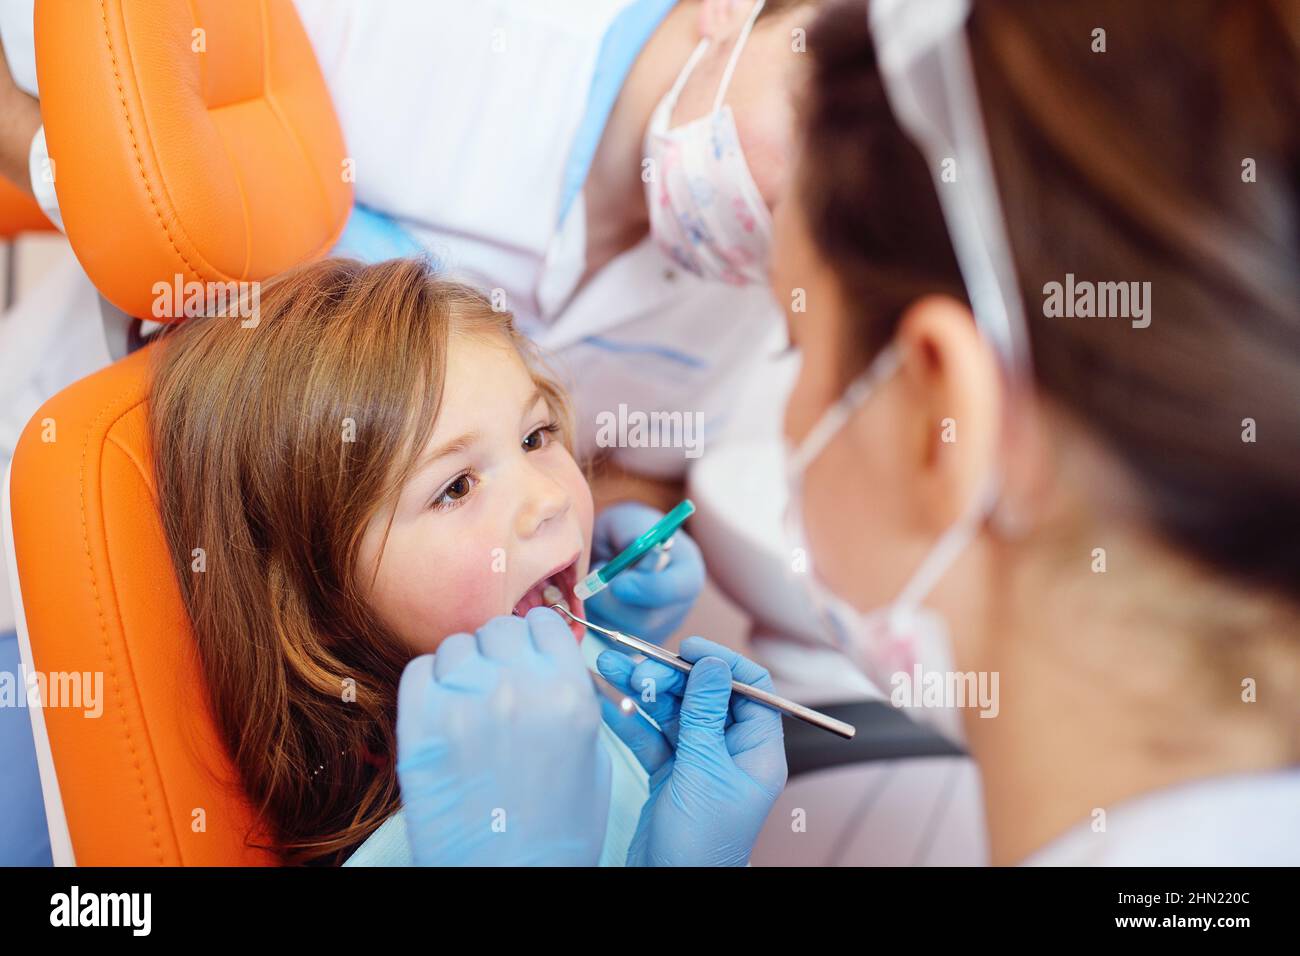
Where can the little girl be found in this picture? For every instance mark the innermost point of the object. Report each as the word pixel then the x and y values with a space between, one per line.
pixel 376 463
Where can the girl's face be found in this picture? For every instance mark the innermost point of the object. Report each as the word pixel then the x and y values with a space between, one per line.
pixel 495 508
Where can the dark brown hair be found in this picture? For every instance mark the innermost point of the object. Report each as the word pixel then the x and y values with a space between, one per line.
pixel 1122 165
pixel 274 446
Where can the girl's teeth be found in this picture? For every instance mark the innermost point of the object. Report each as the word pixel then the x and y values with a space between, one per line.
pixel 552 595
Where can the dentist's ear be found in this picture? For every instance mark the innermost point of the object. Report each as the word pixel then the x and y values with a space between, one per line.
pixel 946 396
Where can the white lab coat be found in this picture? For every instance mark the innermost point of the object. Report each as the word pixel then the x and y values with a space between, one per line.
pixel 1240 820
pixel 460 115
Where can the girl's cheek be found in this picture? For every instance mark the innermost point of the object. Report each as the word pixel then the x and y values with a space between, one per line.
pixel 449 593
pixel 570 475
pixel 583 504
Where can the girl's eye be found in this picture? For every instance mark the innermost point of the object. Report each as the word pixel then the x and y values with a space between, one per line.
pixel 460 486
pixel 540 437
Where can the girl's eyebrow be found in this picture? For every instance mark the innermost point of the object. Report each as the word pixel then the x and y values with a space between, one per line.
pixel 532 400
pixel 463 443
pixel 469 439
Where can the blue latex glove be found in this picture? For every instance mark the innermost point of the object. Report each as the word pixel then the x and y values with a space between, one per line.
pixel 716 763
pixel 643 602
pixel 498 752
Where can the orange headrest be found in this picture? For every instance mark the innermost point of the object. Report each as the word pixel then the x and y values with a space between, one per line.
pixel 193 139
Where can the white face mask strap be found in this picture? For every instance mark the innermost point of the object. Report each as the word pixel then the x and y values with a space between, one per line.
pixel 884 365
pixel 946 550
pixel 670 101
pixel 929 80
pixel 735 54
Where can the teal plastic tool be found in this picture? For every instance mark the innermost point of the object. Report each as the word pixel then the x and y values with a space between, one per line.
pixel 660 534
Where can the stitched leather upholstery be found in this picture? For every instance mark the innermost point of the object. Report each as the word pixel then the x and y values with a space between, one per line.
pixel 216 166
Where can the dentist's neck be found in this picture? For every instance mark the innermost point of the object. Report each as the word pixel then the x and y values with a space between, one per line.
pixel 614 194
pixel 1120 684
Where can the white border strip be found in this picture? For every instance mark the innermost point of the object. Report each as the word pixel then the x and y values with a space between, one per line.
pixel 55 819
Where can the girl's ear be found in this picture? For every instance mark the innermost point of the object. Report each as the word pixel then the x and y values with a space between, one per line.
pixel 947 395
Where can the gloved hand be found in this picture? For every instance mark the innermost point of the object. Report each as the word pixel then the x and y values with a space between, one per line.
pixel 641 601
pixel 498 755
pixel 717 763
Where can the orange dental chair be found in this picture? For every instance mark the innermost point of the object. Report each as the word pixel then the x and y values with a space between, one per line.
pixel 192 139
pixel 19 212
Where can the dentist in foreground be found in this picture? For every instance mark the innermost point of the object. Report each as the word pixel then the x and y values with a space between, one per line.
pixel 1099 504
pixel 1091 506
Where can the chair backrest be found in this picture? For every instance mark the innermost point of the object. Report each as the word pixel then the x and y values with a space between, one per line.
pixel 192 139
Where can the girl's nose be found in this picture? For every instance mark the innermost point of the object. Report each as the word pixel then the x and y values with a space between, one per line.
pixel 545 502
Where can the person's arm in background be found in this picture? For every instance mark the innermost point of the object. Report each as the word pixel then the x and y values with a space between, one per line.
pixel 611 482
pixel 20 118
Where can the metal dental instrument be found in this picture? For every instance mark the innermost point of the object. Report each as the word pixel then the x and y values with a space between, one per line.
pixel 806 714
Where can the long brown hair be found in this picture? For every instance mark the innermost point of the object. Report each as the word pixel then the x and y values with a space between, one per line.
pixel 274 447
pixel 1125 164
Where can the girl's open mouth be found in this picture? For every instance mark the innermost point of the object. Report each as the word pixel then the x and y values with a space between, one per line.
pixel 563 579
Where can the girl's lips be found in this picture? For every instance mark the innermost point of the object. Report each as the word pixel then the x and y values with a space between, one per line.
pixel 575 607
pixel 565 578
